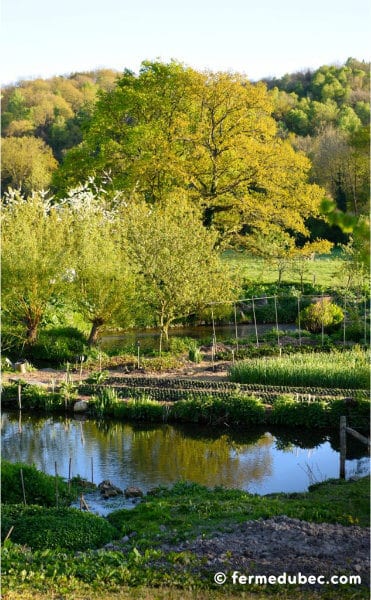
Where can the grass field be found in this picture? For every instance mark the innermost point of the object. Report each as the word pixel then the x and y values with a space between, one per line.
pixel 324 271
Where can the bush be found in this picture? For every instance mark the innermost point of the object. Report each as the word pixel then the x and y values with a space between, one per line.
pixel 64 528
pixel 57 345
pixel 286 411
pixel 32 397
pixel 194 353
pixel 322 312
pixel 39 487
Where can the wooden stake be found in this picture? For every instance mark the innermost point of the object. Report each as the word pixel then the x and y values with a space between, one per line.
pixel 19 396
pixel 256 327
pixel 275 310
pixel 23 489
pixel 235 326
pixel 299 325
pixel 343 445
pixel 56 485
pixel 69 473
pixel 9 533
pixel 92 470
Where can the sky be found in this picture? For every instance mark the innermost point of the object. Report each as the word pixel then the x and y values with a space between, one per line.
pixel 260 38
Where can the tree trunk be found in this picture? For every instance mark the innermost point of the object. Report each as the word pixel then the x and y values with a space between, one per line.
pixel 32 330
pixel 95 328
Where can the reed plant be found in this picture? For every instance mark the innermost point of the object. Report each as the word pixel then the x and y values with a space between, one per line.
pixel 348 369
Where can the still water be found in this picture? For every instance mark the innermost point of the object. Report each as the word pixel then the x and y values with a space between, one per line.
pixel 258 460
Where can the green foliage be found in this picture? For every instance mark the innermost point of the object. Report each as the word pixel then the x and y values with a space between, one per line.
pixel 233 410
pixel 57 346
pixel 97 377
pixel 57 528
pixel 27 164
pixel 287 412
pixel 33 397
pixel 140 409
pixel 323 313
pixel 170 515
pixel 348 369
pixel 39 487
pixel 34 260
pixel 194 353
pixel 104 401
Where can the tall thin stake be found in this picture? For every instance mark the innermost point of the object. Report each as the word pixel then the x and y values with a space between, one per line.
pixel 19 396
pixel 69 473
pixel 344 325
pixel 56 485
pixel 299 323
pixel 92 470
pixel 322 322
pixel 256 327
pixel 213 349
pixel 343 445
pixel 23 489
pixel 275 310
pixel 235 325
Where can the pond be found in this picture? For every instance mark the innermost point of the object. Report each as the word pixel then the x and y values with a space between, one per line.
pixel 257 460
pixel 149 338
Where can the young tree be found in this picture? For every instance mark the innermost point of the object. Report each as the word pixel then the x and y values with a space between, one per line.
pixel 102 282
pixel 34 259
pixel 178 270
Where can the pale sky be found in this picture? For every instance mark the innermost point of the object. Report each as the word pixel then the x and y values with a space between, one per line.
pixel 257 37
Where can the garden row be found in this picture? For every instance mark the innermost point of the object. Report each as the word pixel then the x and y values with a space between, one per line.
pixel 267 393
pixel 235 410
pixel 171 384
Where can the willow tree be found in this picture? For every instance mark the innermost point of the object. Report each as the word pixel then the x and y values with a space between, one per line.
pixel 101 280
pixel 35 259
pixel 178 270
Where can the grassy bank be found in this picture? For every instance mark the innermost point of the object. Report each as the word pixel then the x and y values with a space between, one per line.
pixel 169 516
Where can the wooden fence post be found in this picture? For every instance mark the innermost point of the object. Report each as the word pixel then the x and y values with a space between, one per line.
pixel 343 445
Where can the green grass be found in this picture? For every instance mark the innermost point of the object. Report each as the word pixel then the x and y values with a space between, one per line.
pixel 348 369
pixel 324 271
pixel 169 516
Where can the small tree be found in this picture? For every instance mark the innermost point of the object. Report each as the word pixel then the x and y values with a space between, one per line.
pixel 35 257
pixel 102 283
pixel 178 269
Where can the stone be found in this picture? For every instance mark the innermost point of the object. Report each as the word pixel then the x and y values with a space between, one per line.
pixel 81 406
pixel 108 490
pixel 133 492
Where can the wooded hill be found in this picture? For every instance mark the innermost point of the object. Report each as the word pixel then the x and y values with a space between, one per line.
pixel 152 128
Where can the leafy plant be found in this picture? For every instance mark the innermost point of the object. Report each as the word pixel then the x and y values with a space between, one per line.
pixel 64 528
pixel 323 313
pixel 39 487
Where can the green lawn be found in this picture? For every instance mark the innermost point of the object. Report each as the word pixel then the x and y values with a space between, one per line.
pixel 324 271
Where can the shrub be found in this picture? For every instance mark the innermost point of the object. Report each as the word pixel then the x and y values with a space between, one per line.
pixel 39 487
pixel 286 411
pixel 64 528
pixel 104 401
pixel 194 353
pixel 139 409
pixel 57 345
pixel 32 397
pixel 322 312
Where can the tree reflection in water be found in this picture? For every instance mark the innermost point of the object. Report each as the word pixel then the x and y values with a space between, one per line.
pixel 151 455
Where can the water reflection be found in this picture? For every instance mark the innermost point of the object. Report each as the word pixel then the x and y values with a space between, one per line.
pixel 257 460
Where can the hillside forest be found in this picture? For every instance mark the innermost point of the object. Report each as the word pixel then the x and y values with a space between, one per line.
pixel 105 168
